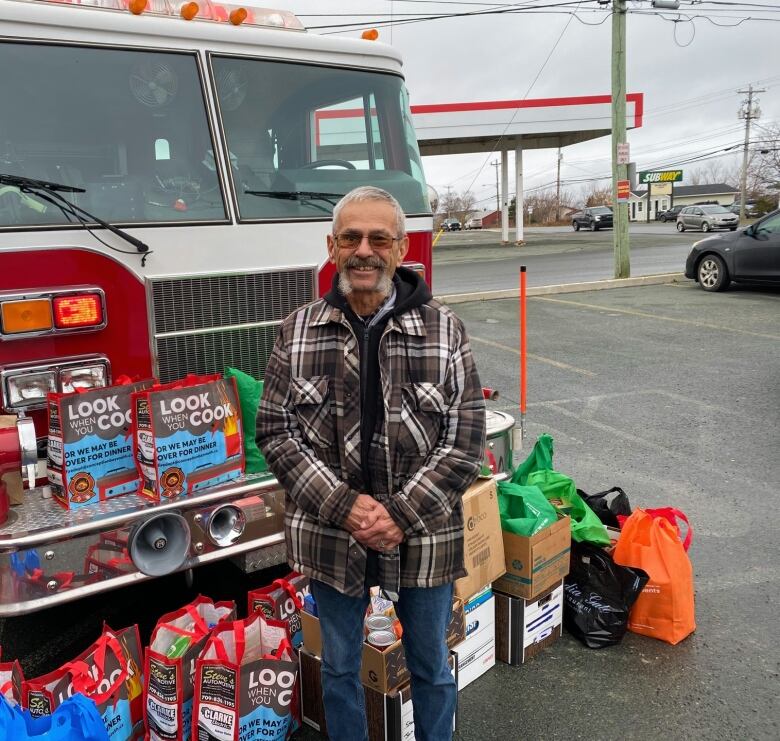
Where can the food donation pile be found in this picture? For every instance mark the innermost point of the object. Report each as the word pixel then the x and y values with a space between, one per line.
pixel 540 554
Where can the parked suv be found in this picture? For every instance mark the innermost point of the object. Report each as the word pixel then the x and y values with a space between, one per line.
pixel 706 218
pixel 752 209
pixel 450 225
pixel 474 223
pixel 595 218
pixel 670 214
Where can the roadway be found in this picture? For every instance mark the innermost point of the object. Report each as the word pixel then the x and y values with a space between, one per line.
pixel 475 260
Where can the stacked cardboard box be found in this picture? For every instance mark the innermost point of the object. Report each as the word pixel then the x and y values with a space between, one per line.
pixel 477 654
pixel 526 627
pixel 484 561
pixel 529 596
pixel 389 714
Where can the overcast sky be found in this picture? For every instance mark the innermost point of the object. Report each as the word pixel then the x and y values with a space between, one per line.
pixel 689 72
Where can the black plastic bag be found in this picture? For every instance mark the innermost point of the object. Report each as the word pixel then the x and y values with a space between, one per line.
pixel 597 596
pixel 608 505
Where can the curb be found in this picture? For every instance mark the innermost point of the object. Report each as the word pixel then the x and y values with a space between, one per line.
pixel 596 285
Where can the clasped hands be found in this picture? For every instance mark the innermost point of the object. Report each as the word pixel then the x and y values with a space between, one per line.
pixel 371 524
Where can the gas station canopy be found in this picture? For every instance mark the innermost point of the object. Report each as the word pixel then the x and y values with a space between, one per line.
pixel 536 123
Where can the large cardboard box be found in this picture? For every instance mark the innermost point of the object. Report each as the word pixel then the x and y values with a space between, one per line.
pixel 385 670
pixel 536 563
pixel 477 654
pixel 389 715
pixel 483 547
pixel 524 628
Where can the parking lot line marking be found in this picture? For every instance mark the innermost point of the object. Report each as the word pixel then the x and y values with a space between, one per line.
pixel 538 358
pixel 644 314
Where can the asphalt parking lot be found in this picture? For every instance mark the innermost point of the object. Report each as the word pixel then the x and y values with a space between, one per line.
pixel 674 395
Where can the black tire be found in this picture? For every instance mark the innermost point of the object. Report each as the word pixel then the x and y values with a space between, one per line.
pixel 732 228
pixel 712 274
pixel 680 226
pixel 663 219
pixel 593 226
pixel 576 225
pixel 705 226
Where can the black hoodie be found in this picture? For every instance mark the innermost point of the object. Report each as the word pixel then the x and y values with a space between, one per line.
pixel 411 292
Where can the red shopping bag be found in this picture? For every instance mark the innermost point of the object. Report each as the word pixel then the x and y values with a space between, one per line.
pixel 246 683
pixel 282 599
pixel 177 640
pixel 665 608
pixel 108 673
pixel 187 436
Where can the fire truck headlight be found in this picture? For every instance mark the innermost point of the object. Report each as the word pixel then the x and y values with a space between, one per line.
pixel 28 389
pixel 89 377
pixel 26 386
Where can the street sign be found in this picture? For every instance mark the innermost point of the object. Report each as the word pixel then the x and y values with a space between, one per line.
pixel 623 191
pixel 623 156
pixel 660 176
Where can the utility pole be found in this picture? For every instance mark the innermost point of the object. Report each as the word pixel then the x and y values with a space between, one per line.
pixel 619 172
pixel 497 164
pixel 748 112
pixel 449 200
pixel 558 188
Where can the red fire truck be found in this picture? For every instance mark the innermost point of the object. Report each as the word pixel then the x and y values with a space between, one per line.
pixel 167 176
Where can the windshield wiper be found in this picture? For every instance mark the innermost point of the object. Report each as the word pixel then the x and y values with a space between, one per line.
pixel 52 193
pixel 306 197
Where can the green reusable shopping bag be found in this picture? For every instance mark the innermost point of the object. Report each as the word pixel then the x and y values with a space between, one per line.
pixel 561 492
pixel 524 509
pixel 539 460
pixel 249 393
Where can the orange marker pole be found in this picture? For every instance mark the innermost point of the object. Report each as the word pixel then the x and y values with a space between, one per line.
pixel 523 352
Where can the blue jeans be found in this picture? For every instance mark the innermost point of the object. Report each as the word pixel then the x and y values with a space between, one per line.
pixel 424 615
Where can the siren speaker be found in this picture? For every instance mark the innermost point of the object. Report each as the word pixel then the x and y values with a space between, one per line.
pixel 226 525
pixel 161 544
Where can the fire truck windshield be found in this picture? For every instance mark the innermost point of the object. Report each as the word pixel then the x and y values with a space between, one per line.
pixel 301 135
pixel 129 127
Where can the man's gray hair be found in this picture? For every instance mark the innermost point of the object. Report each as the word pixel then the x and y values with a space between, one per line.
pixel 371 193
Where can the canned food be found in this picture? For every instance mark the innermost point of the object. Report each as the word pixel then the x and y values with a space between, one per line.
pixel 381 639
pixel 377 622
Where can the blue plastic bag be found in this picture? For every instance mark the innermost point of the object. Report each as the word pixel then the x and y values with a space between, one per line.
pixel 77 719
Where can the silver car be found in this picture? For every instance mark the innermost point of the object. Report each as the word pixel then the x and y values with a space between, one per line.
pixel 706 218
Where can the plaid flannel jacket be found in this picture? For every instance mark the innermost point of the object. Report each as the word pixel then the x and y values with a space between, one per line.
pixel 308 427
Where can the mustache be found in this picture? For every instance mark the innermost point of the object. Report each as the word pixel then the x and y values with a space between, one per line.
pixel 365 262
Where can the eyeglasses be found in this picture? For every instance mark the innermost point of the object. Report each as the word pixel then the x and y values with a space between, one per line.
pixel 352 240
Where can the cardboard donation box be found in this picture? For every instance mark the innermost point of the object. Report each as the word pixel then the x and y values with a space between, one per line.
pixel 483 549
pixel 386 670
pixel 477 653
pixel 525 627
pixel 90 450
pixel 188 436
pixel 536 563
pixel 390 715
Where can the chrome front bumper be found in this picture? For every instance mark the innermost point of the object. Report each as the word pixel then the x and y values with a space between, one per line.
pixel 49 556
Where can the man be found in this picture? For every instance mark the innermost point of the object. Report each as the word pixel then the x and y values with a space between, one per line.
pixel 372 418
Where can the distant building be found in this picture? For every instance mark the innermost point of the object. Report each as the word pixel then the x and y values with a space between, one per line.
pixel 682 195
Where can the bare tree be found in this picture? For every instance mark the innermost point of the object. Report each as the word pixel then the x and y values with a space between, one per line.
pixel 457 205
pixel 599 196
pixel 764 173
pixel 540 206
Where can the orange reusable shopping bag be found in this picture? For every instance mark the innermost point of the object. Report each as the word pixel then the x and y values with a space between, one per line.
pixel 664 609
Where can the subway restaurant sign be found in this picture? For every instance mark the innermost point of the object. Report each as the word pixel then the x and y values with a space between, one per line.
pixel 660 176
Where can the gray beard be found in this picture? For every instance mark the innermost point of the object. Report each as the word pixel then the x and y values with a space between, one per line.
pixel 383 288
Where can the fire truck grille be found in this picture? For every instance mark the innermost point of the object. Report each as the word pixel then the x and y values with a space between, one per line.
pixel 206 323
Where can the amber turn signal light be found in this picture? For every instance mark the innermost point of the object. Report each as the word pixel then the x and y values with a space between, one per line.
pixel 26 316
